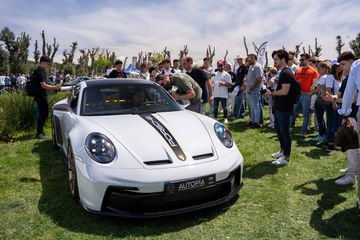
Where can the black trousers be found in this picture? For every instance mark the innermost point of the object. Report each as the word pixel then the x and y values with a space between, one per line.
pixel 43 107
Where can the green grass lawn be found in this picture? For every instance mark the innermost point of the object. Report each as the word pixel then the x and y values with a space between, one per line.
pixel 298 201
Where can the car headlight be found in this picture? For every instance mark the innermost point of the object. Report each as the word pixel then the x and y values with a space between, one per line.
pixel 224 135
pixel 100 148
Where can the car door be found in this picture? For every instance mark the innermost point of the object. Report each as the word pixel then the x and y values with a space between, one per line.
pixel 69 118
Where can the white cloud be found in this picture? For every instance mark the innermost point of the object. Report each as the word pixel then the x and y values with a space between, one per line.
pixel 128 28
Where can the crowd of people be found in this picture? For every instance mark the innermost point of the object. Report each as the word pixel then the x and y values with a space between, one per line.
pixel 318 90
pixel 9 82
pixel 325 93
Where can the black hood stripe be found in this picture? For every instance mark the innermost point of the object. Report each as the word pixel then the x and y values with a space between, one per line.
pixel 165 133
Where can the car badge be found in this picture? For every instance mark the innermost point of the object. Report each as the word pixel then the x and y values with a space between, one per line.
pixel 181 157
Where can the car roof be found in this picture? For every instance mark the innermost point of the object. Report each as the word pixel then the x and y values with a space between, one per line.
pixel 98 82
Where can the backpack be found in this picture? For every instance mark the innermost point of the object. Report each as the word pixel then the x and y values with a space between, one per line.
pixel 295 87
pixel 32 89
pixel 297 91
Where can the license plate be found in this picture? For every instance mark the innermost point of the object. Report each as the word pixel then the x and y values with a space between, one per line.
pixel 190 184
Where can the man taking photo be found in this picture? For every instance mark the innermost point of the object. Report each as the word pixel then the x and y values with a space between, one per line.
pixel 182 87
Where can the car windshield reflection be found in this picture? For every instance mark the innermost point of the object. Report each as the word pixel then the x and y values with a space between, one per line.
pixel 126 99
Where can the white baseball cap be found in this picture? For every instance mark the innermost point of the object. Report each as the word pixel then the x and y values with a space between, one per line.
pixel 239 56
pixel 334 62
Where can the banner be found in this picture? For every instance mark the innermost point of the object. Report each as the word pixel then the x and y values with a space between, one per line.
pixel 133 63
pixel 261 54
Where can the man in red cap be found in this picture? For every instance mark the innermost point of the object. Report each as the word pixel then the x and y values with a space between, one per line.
pixel 222 80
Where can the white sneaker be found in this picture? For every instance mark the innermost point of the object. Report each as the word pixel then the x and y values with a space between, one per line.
pixel 280 161
pixel 347 179
pixel 277 155
pixel 226 121
pixel 343 170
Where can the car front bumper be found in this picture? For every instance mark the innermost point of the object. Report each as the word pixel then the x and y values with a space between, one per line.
pixel 122 203
pixel 139 193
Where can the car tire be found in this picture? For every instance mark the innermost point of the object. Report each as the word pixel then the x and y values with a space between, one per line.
pixel 53 135
pixel 71 172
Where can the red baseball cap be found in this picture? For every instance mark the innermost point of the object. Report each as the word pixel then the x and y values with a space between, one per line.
pixel 220 63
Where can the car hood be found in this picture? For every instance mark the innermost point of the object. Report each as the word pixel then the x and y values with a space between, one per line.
pixel 153 144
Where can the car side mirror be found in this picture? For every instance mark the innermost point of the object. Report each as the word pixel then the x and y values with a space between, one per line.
pixel 184 103
pixel 62 107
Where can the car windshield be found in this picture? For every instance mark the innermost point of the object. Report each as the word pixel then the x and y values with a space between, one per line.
pixel 126 99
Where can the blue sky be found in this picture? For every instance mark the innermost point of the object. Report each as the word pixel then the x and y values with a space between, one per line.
pixel 128 27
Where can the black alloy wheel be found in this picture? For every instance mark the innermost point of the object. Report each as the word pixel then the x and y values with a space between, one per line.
pixel 53 135
pixel 72 177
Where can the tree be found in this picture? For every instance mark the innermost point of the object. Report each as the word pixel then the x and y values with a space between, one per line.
pixel 18 49
pixel 297 49
pixel 100 64
pixel 355 45
pixel 36 52
pixel 166 53
pixel 318 49
pixel 226 53
pixel 43 43
pixel 55 48
pixel 210 54
pixel 69 56
pixel 4 61
pixel 339 44
pixel 183 53
pixel 83 66
pixel 246 47
pixel 93 53
pixel 142 59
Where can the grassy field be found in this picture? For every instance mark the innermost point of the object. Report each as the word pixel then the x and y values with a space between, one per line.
pixel 298 201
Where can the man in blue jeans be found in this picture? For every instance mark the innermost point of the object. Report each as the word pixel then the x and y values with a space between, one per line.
pixel 253 85
pixel 307 77
pixel 222 81
pixel 241 72
pixel 283 106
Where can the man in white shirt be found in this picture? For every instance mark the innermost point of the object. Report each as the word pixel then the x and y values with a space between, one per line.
pixel 222 80
pixel 167 68
pixel 176 64
pixel 291 64
pixel 2 81
pixel 353 86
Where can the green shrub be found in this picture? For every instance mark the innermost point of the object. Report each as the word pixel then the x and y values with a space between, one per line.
pixel 17 112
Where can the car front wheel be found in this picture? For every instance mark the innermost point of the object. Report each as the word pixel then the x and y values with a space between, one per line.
pixel 53 135
pixel 72 177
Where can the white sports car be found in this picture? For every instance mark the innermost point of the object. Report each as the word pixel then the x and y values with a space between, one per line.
pixel 131 150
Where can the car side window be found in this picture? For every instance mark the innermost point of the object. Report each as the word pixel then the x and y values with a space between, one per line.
pixel 73 99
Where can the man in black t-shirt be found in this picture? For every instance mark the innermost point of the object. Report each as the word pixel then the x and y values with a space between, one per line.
pixel 117 72
pixel 39 80
pixel 241 72
pixel 283 106
pixel 202 79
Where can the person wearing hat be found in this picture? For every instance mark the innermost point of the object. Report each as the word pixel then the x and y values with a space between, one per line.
pixel 222 80
pixel 117 72
pixel 241 72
